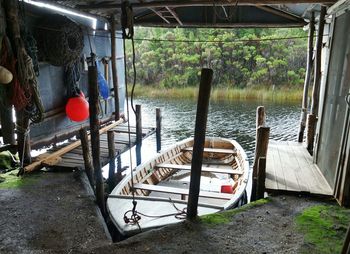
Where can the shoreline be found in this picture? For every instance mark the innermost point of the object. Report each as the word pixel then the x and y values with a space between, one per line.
pixel 221 94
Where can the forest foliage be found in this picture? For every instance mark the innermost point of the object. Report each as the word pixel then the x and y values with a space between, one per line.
pixel 240 58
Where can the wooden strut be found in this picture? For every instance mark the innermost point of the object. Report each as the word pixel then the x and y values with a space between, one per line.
pixel 317 82
pixel 40 163
pixel 199 139
pixel 111 155
pixel 95 136
pixel 158 129
pixel 307 77
pixel 138 134
pixel 262 141
pixel 89 169
pixel 114 69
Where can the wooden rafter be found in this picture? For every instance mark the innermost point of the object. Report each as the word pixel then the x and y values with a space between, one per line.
pixel 159 14
pixel 183 3
pixel 174 14
pixel 278 12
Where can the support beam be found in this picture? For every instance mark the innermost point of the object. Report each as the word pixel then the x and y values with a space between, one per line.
pixel 95 136
pixel 199 139
pixel 172 12
pixel 89 169
pixel 262 141
pixel 184 3
pixel 158 129
pixel 307 82
pixel 278 12
pixel 114 69
pixel 317 82
pixel 138 134
pixel 160 15
pixel 111 155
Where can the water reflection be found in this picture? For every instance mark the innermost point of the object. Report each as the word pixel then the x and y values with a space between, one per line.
pixel 233 120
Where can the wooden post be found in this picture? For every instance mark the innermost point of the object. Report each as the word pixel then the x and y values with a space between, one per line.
pixel 158 129
pixel 261 176
pixel 7 125
pixel 199 139
pixel 114 69
pixel 346 244
pixel 87 156
pixel 138 134
pixel 95 136
pixel 317 82
pixel 111 155
pixel 307 81
pixel 22 117
pixel 262 141
pixel 260 116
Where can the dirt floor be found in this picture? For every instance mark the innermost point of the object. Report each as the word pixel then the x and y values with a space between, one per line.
pixel 55 214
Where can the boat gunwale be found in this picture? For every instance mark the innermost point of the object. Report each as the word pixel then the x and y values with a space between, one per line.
pixel 240 151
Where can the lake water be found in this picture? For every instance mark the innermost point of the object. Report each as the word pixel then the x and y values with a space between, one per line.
pixel 233 120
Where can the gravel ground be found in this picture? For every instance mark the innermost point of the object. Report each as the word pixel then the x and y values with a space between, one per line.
pixel 57 214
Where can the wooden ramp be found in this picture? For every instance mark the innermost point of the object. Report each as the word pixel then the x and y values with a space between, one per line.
pixel 290 169
pixel 74 157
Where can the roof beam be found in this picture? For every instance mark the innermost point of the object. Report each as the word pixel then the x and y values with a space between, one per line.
pixel 183 3
pixel 160 15
pixel 278 12
pixel 225 25
pixel 172 12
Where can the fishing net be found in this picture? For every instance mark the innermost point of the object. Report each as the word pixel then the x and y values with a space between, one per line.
pixel 60 42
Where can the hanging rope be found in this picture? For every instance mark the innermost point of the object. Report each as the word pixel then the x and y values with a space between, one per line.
pixel 128 33
pixel 8 60
pixel 29 84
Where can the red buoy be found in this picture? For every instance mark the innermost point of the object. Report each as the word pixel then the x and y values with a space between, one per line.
pixel 77 109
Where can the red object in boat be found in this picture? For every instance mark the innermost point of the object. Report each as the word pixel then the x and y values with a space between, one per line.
pixel 226 189
pixel 77 109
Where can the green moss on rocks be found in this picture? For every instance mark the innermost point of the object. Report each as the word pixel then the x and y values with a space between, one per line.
pixel 324 228
pixel 226 216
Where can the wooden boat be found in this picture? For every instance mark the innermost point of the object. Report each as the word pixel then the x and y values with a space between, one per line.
pixel 161 185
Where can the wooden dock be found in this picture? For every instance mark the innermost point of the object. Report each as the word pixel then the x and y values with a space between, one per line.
pixel 290 169
pixel 74 157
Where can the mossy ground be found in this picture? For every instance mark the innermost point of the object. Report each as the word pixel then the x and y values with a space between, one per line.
pixel 324 228
pixel 11 180
pixel 226 216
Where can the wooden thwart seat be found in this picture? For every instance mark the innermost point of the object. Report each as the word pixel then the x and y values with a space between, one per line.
pixel 214 150
pixel 204 169
pixel 165 189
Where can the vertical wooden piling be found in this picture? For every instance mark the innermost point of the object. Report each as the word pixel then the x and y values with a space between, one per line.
pixel 7 125
pixel 158 129
pixel 111 155
pixel 114 69
pixel 317 82
pixel 87 156
pixel 261 176
pixel 260 116
pixel 22 117
pixel 199 139
pixel 95 136
pixel 346 243
pixel 138 134
pixel 262 141
pixel 309 64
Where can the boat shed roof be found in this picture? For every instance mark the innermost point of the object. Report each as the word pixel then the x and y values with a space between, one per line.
pixel 200 13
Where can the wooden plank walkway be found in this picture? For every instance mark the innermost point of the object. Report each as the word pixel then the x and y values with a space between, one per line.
pixel 290 169
pixel 74 158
